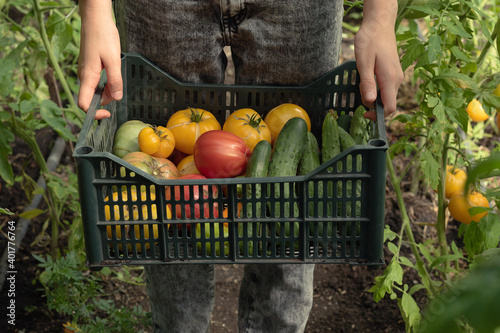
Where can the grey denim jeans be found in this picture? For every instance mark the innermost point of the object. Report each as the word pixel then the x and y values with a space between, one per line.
pixel 273 42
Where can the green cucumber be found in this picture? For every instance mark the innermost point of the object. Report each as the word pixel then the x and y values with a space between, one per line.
pixel 344 121
pixel 288 150
pixel 359 124
pixel 310 156
pixel 345 139
pixel 258 163
pixel 330 142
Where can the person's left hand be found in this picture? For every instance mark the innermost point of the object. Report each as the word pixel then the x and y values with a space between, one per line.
pixel 377 59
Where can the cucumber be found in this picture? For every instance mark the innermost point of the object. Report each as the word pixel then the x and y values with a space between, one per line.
pixel 310 156
pixel 345 139
pixel 330 143
pixel 359 124
pixel 344 121
pixel 258 165
pixel 288 150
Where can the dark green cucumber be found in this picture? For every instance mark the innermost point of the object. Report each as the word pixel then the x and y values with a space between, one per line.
pixel 345 139
pixel 310 156
pixel 288 148
pixel 258 163
pixel 344 121
pixel 330 140
pixel 359 124
pixel 285 159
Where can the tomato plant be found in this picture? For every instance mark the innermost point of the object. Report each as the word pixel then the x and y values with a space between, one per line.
pixel 220 154
pixel 156 141
pixel 249 126
pixel 187 126
pixel 460 205
pixel 278 116
pixel 158 167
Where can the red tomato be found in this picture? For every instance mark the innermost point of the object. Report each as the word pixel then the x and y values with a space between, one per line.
pixel 196 196
pixel 220 154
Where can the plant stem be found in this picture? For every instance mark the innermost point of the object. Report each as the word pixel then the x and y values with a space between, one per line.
pixel 44 171
pixel 487 46
pixel 38 9
pixel 420 264
pixel 441 218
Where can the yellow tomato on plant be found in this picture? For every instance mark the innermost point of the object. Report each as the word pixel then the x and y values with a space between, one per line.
pixel 277 118
pixel 454 182
pixel 156 141
pixel 460 204
pixel 187 126
pixel 476 111
pixel 248 125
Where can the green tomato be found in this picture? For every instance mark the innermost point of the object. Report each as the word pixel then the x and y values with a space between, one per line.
pixel 126 138
pixel 217 238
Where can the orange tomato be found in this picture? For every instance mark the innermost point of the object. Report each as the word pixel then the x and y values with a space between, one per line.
pixel 454 182
pixel 277 118
pixel 460 204
pixel 248 125
pixel 476 111
pixel 187 126
pixel 156 141
pixel 187 166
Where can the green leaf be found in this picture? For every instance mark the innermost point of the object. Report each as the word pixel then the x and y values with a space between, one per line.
pixel 5 211
pixel 459 54
pixel 30 214
pixel 483 169
pixel 6 171
pixel 52 115
pixel 393 274
pixel 410 311
pixel 434 47
pixel 430 167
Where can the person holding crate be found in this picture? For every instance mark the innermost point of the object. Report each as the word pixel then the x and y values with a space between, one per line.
pixel 272 43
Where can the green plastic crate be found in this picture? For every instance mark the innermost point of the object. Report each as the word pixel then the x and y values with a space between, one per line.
pixel 311 226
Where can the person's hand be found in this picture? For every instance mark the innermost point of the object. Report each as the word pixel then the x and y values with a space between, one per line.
pixel 377 56
pixel 99 49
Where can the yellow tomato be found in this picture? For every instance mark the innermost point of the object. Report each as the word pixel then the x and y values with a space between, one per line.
pixel 187 166
pixel 277 118
pixel 460 204
pixel 156 141
pixel 454 182
pixel 187 126
pixel 121 212
pixel 476 111
pixel 249 126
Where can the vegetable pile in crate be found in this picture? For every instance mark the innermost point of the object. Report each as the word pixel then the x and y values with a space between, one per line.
pixel 176 176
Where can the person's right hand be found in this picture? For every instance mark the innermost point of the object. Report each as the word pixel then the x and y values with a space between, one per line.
pixel 99 49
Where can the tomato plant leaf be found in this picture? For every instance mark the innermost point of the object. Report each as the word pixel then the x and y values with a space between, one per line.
pixel 30 214
pixel 52 115
pixel 6 171
pixel 410 310
pixel 430 167
pixel 434 47
pixel 383 284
